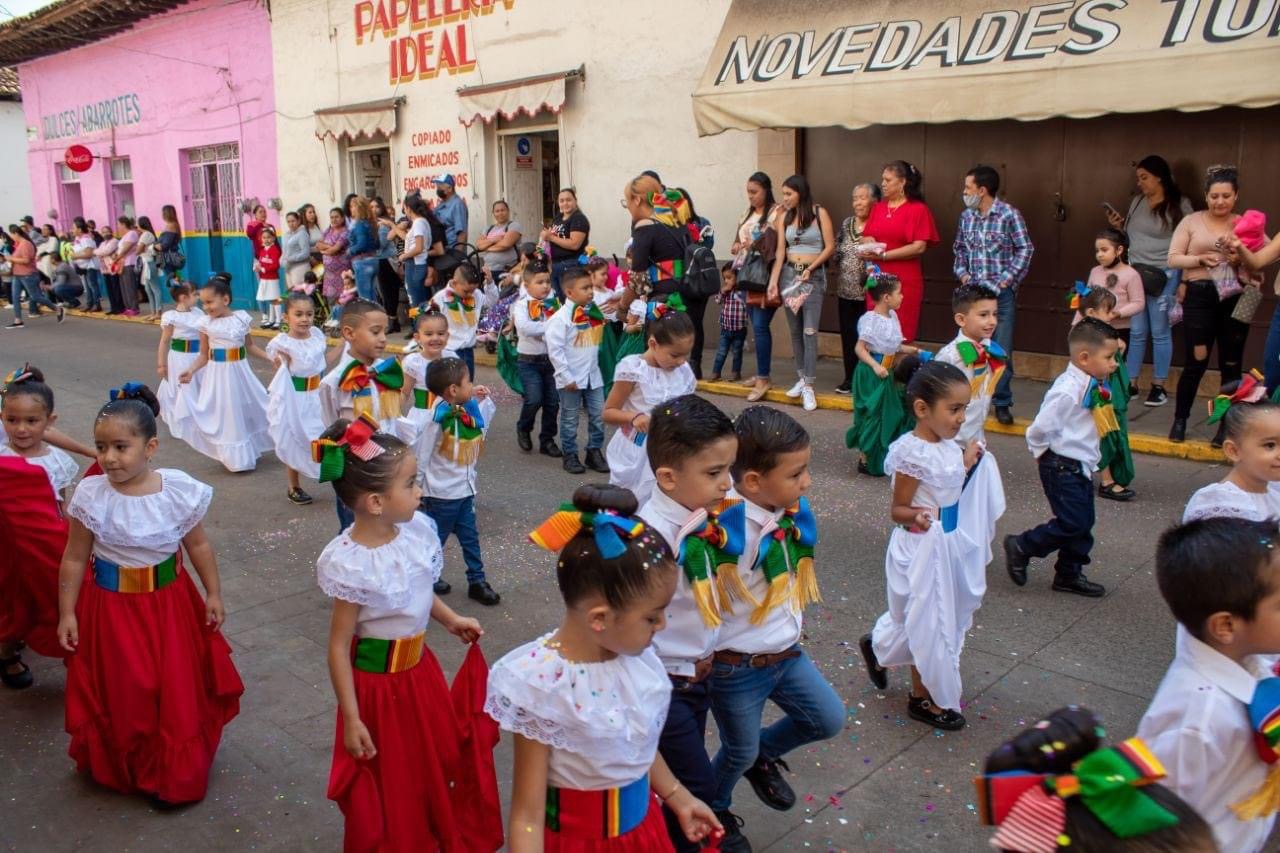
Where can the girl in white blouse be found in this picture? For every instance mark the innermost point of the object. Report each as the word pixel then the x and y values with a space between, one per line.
pixel 587 702
pixel 641 382
pixel 150 682
pixel 396 761
pixel 179 349
pixel 1251 436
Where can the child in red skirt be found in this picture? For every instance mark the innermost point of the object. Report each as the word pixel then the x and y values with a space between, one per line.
pixel 150 682
pixel 404 768
pixel 587 702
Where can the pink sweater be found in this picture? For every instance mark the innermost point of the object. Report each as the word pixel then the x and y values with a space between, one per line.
pixel 1130 298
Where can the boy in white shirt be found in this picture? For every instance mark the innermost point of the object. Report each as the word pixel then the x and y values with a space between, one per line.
pixel 758 655
pixel 448 452
pixel 1064 438
pixel 691 445
pixel 461 302
pixel 1221 579
pixel 979 358
pixel 531 313
pixel 573 338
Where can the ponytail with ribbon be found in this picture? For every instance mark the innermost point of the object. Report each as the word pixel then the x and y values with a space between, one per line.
pixel 128 391
pixel 1250 389
pixel 609 529
pixel 18 374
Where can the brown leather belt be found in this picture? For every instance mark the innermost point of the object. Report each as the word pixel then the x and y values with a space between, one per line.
pixel 701 669
pixel 755 661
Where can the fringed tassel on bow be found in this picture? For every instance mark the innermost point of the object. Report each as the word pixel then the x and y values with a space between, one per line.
pixel 1104 419
pixel 730 587
pixel 463 451
pixel 805 589
pixel 589 337
pixel 779 592
pixel 704 596
pixel 389 402
pixel 1263 802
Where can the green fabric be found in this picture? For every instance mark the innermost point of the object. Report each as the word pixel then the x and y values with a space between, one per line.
pixel 553 809
pixel 879 416
pixel 372 654
pixel 167 571
pixel 421 398
pixel 507 358
pixel 614 348
pixel 968 352
pixel 333 461
pixel 1107 788
pixel 1116 455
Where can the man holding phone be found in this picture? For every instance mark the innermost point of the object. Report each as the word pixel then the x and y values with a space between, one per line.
pixel 992 248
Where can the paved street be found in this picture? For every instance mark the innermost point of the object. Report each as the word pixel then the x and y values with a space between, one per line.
pixel 886 783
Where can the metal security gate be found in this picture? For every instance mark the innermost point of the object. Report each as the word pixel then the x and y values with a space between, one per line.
pixel 214 196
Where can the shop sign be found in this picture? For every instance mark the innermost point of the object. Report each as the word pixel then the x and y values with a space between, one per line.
pixel 524 155
pixel 121 111
pixel 432 153
pixel 423 37
pixel 78 158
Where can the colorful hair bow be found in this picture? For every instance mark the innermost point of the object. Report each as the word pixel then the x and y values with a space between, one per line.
pixel 786 558
pixel 1264 715
pixel 18 374
pixel 924 355
pixel 873 277
pixel 1031 811
pixel 1250 389
pixel 125 391
pixel 670 207
pixel 587 255
pixel 609 529
pixel 658 310
pixel 358 438
pixel 1078 292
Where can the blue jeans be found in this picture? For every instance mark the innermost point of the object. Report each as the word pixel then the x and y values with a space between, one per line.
pixel 557 271
pixel 570 403
pixel 346 517
pixel 415 281
pixel 730 341
pixel 92 287
pixel 366 273
pixel 68 294
pixel 458 516
pixel 760 320
pixel 813 711
pixel 35 296
pixel 1070 531
pixel 1153 321
pixel 683 746
pixel 539 380
pixel 152 285
pixel 1005 306
pixel 468 356
pixel 1271 353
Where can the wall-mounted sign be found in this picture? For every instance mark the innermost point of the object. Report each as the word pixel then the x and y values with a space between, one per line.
pixel 120 111
pixel 436 35
pixel 78 158
pixel 432 153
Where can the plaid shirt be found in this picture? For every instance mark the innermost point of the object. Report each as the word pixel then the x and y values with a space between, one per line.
pixel 733 311
pixel 995 249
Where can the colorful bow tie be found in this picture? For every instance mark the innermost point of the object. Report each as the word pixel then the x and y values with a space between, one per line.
pixel 711 550
pixel 544 308
pixel 1097 399
pixel 588 316
pixel 127 391
pixel 1250 389
pixel 990 354
pixel 1079 291
pixel 461 430
pixel 786 558
pixel 670 207
pixel 608 528
pixel 454 302
pixel 357 377
pixel 358 438
pixel 1264 716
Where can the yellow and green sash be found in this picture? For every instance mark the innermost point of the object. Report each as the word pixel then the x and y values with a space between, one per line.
pixel 237 354
pixel 190 346
pixel 303 384
pixel 588 321
pixel 461 431
pixel 786 558
pixel 369 654
pixel 135 579
pixel 361 381
pixel 461 309
pixel 711 550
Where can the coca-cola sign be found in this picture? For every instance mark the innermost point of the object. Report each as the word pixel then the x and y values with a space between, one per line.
pixel 78 158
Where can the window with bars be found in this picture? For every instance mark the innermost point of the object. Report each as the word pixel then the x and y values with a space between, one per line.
pixel 213 178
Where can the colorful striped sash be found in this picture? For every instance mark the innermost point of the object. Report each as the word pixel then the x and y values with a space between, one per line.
pixel 115 578
pixel 238 354
pixel 305 383
pixel 423 399
pixel 598 814
pixel 187 345
pixel 369 654
pixel 885 361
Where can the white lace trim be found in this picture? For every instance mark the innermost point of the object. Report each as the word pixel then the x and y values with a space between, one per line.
pixel 939 465
pixel 381 577
pixel 882 334
pixel 1227 500
pixel 154 522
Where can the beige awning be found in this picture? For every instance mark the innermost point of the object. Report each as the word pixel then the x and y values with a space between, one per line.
pixel 528 95
pixel 836 62
pixel 351 122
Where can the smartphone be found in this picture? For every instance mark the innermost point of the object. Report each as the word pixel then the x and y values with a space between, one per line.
pixel 1106 205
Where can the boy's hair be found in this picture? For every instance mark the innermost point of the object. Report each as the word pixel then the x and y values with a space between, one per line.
pixel 310 277
pixel 27 381
pixel 427 314
pixel 467 273
pixel 764 434
pixel 1090 333
pixel 354 312
pixel 966 296
pixel 296 296
pixel 683 427
pixel 364 476
pixel 444 372
pixel 882 284
pixel 219 283
pixel 137 404
pixel 1215 565
pixel 180 288
pixel 1098 298
pixel 582 571
pixel 926 381
pixel 572 274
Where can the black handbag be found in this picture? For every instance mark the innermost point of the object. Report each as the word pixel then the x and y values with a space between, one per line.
pixel 757 266
pixel 1154 279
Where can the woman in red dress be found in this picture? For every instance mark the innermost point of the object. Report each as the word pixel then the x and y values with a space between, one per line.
pixel 902 221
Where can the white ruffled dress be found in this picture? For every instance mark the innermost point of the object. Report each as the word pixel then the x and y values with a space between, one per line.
pixel 628 460
pixel 935 580
pixel 1227 500
pixel 229 415
pixel 175 409
pixel 601 720
pixel 293 416
pixel 58 466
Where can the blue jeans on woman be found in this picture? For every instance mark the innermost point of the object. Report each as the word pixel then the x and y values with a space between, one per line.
pixel 557 271
pixel 1153 321
pixel 35 296
pixel 92 287
pixel 153 283
pixel 415 281
pixel 366 273
pixel 760 320
pixel 1271 353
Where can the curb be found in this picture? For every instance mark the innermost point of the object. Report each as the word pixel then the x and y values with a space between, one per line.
pixel 1139 442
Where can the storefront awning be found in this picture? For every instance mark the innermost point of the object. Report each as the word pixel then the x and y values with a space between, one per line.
pixel 835 62
pixel 356 120
pixel 528 95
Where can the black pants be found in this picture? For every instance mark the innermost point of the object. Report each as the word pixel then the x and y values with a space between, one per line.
pixel 850 311
pixel 539 380
pixel 113 292
pixel 697 309
pixel 389 283
pixel 683 746
pixel 1070 531
pixel 1206 320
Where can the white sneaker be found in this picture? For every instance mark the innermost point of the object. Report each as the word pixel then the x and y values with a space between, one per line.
pixel 810 399
pixel 796 389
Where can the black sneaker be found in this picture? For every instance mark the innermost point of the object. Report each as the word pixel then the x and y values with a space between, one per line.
pixel 1015 562
pixel 1134 390
pixel 1004 415
pixel 733 841
pixel 595 460
pixel 299 497
pixel 483 593
pixel 62 313
pixel 766 780
pixel 524 440
pixel 572 464
pixel 441 588
pixel 550 448
pixel 1157 397
pixel 845 388
pixel 879 675
pixel 919 708
pixel 16 325
pixel 1079 585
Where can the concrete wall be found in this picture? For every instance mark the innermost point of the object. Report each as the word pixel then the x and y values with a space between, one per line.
pixel 15 185
pixel 642 62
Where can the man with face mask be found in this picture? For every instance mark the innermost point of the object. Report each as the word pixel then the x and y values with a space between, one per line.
pixel 993 249
pixel 451 211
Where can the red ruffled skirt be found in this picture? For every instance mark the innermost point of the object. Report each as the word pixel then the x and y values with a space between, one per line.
pixel 35 535
pixel 417 793
pixel 148 690
pixel 649 837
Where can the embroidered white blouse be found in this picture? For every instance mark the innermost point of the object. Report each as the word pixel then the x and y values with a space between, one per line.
pixel 58 466
pixel 140 530
pixel 939 466
pixel 306 356
pixel 186 324
pixel 652 384
pixel 1226 499
pixel 880 333
pixel 227 332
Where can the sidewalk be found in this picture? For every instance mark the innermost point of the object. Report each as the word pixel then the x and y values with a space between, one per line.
pixel 1148 427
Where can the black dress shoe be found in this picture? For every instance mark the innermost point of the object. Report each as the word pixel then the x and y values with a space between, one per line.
pixel 1178 432
pixel 550 448
pixel 919 708
pixel 595 460
pixel 766 780
pixel 1079 585
pixel 572 464
pixel 733 840
pixel 483 593
pixel 441 587
pixel 1116 492
pixel 524 440
pixel 1004 415
pixel 879 675
pixel 1015 562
